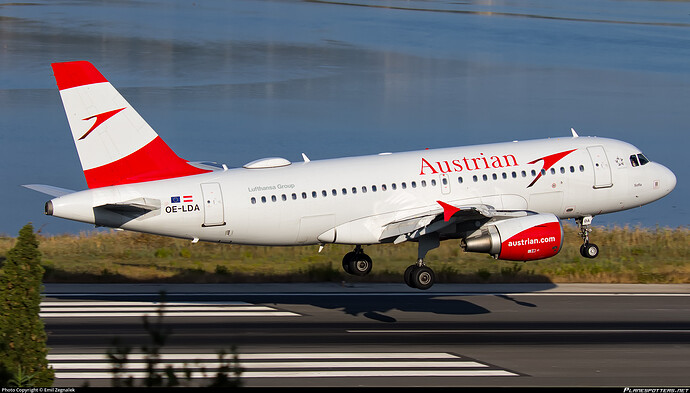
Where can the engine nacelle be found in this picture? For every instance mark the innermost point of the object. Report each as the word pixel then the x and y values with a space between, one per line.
pixel 526 238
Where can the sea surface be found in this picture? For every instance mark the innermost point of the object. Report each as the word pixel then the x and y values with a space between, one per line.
pixel 233 81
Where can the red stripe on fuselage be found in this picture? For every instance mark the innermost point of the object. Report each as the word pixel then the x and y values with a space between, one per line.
pixel 76 73
pixel 155 161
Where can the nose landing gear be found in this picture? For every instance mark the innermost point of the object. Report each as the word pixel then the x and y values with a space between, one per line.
pixel 587 249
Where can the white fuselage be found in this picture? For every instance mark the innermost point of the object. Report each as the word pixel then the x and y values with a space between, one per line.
pixel 351 200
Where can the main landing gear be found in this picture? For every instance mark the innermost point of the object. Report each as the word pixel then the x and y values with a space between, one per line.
pixel 419 275
pixel 356 262
pixel 587 249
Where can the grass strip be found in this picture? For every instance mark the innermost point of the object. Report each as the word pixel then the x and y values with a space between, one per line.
pixel 628 255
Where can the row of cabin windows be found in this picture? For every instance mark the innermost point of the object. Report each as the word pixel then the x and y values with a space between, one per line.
pixel 403 185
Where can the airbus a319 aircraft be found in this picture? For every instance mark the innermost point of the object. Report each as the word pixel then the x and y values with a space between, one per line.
pixel 504 199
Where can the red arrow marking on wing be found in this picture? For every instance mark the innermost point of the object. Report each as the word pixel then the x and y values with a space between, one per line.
pixel 448 210
pixel 549 161
pixel 100 118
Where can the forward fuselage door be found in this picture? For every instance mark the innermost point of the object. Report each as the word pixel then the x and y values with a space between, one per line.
pixel 602 169
pixel 213 205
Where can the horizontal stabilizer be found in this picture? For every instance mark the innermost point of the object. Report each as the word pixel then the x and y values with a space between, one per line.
pixel 139 205
pixel 48 190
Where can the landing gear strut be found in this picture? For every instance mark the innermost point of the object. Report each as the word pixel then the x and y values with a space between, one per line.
pixel 419 275
pixel 587 249
pixel 356 262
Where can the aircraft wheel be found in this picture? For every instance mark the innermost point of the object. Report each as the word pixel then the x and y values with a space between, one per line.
pixel 360 265
pixel 346 261
pixel 589 250
pixel 408 276
pixel 423 278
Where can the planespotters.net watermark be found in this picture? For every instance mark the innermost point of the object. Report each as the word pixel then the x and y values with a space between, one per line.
pixel 38 390
pixel 656 390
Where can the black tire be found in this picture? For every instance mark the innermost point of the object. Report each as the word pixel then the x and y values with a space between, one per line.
pixel 346 261
pixel 408 276
pixel 590 250
pixel 423 278
pixel 360 265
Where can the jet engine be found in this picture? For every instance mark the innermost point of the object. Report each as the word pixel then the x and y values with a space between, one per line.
pixel 536 236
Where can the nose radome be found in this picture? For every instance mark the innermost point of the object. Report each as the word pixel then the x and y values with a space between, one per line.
pixel 668 180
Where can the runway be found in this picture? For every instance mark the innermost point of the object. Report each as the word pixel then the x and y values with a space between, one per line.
pixel 382 334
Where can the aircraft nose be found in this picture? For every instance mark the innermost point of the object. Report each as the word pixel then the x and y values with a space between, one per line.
pixel 668 180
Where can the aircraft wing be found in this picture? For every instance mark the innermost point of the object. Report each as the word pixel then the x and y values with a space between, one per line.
pixel 439 218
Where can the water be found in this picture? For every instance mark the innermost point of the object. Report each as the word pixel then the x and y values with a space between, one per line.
pixel 232 81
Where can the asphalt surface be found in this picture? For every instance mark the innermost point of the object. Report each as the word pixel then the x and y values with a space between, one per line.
pixel 384 334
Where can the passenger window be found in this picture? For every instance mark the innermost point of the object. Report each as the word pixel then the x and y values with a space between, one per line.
pixel 354 190
pixel 562 170
pixel 534 173
pixel 460 179
pixel 523 173
pixel 373 188
pixel 394 186
pixel 294 196
pixel 474 178
pixel 313 194
pixel 404 185
pixel 543 172
pixel 445 181
pixel 253 201
pixel 263 199
pixel 273 198
pixel 423 183
pixel 344 191
pixel 324 193
pixel 553 171
pixel 572 169
pixel 364 188
pixel 433 182
pixel 383 187
pixel 582 168
pixel 643 159
pixel 413 184
pixel 334 192
pixel 504 175
pixel 283 197
pixel 494 176
pixel 514 174
pixel 304 195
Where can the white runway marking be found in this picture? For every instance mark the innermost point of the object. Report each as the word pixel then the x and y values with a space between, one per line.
pixel 288 365
pixel 80 309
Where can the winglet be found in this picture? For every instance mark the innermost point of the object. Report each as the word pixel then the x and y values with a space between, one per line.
pixel 574 133
pixel 448 210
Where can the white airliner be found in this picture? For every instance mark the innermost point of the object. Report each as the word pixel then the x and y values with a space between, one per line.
pixel 504 199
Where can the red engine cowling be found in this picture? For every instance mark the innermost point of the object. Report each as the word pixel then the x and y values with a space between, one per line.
pixel 526 238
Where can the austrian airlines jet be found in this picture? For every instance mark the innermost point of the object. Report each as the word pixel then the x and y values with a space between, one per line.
pixel 504 199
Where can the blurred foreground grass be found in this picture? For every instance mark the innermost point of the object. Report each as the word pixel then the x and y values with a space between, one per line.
pixel 628 255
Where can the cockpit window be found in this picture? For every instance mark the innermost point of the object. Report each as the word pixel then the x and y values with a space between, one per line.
pixel 633 160
pixel 643 159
